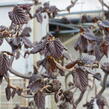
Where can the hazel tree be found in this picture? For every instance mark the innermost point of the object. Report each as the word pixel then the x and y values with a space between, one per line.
pixel 93 41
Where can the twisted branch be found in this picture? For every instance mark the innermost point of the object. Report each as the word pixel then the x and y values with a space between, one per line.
pixel 11 70
pixel 104 4
pixel 104 84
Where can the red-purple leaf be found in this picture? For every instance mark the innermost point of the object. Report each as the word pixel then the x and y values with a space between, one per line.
pixel 4 64
pixel 1 78
pixel 27 42
pixel 39 17
pixel 81 44
pixel 38 47
pixel 105 67
pixel 55 86
pixel 8 93
pixel 17 54
pixel 19 91
pixel 39 99
pixel 104 47
pixel 81 79
pixel 26 32
pixel 1 42
pixel 18 16
pixel 13 93
pixel 35 82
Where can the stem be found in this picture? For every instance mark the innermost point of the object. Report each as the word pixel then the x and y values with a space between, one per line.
pixel 11 70
pixel 45 87
pixel 104 84
pixel 66 78
pixel 102 3
pixel 80 98
pixel 27 96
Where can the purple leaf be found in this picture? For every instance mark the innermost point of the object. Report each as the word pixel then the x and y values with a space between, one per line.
pixel 13 93
pixel 17 54
pixel 104 47
pixel 105 67
pixel 81 79
pixel 39 17
pixel 18 16
pixel 68 95
pixel 35 82
pixel 15 43
pixel 46 5
pixel 4 64
pixel 55 85
pixel 38 47
pixel 8 93
pixel 1 42
pixel 26 32
pixel 19 91
pixel 1 78
pixel 39 99
pixel 54 48
pixel 81 44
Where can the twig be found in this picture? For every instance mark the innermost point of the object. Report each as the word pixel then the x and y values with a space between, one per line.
pixel 45 87
pixel 11 70
pixel 80 98
pixel 104 84
pixel 102 3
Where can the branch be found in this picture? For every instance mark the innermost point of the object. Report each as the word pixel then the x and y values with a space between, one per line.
pixel 80 98
pixel 73 3
pixel 104 84
pixel 11 70
pixel 102 3
pixel 27 96
pixel 63 68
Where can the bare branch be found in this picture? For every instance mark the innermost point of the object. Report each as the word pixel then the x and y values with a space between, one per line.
pixel 104 84
pixel 73 3
pixel 11 70
pixel 80 98
pixel 103 3
pixel 27 96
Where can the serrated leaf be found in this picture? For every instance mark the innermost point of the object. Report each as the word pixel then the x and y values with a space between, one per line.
pixel 38 47
pixel 46 5
pixel 89 35
pixel 13 93
pixel 39 17
pixel 54 48
pixel 53 10
pixel 81 45
pixel 97 76
pixel 27 42
pixel 18 16
pixel 1 78
pixel 8 93
pixel 26 7
pixel 104 47
pixel 35 82
pixel 1 42
pixel 55 85
pixel 17 54
pixel 4 64
pixel 81 79
pixel 15 43
pixel 98 53
pixel 68 95
pixel 105 67
pixel 26 32
pixel 19 91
